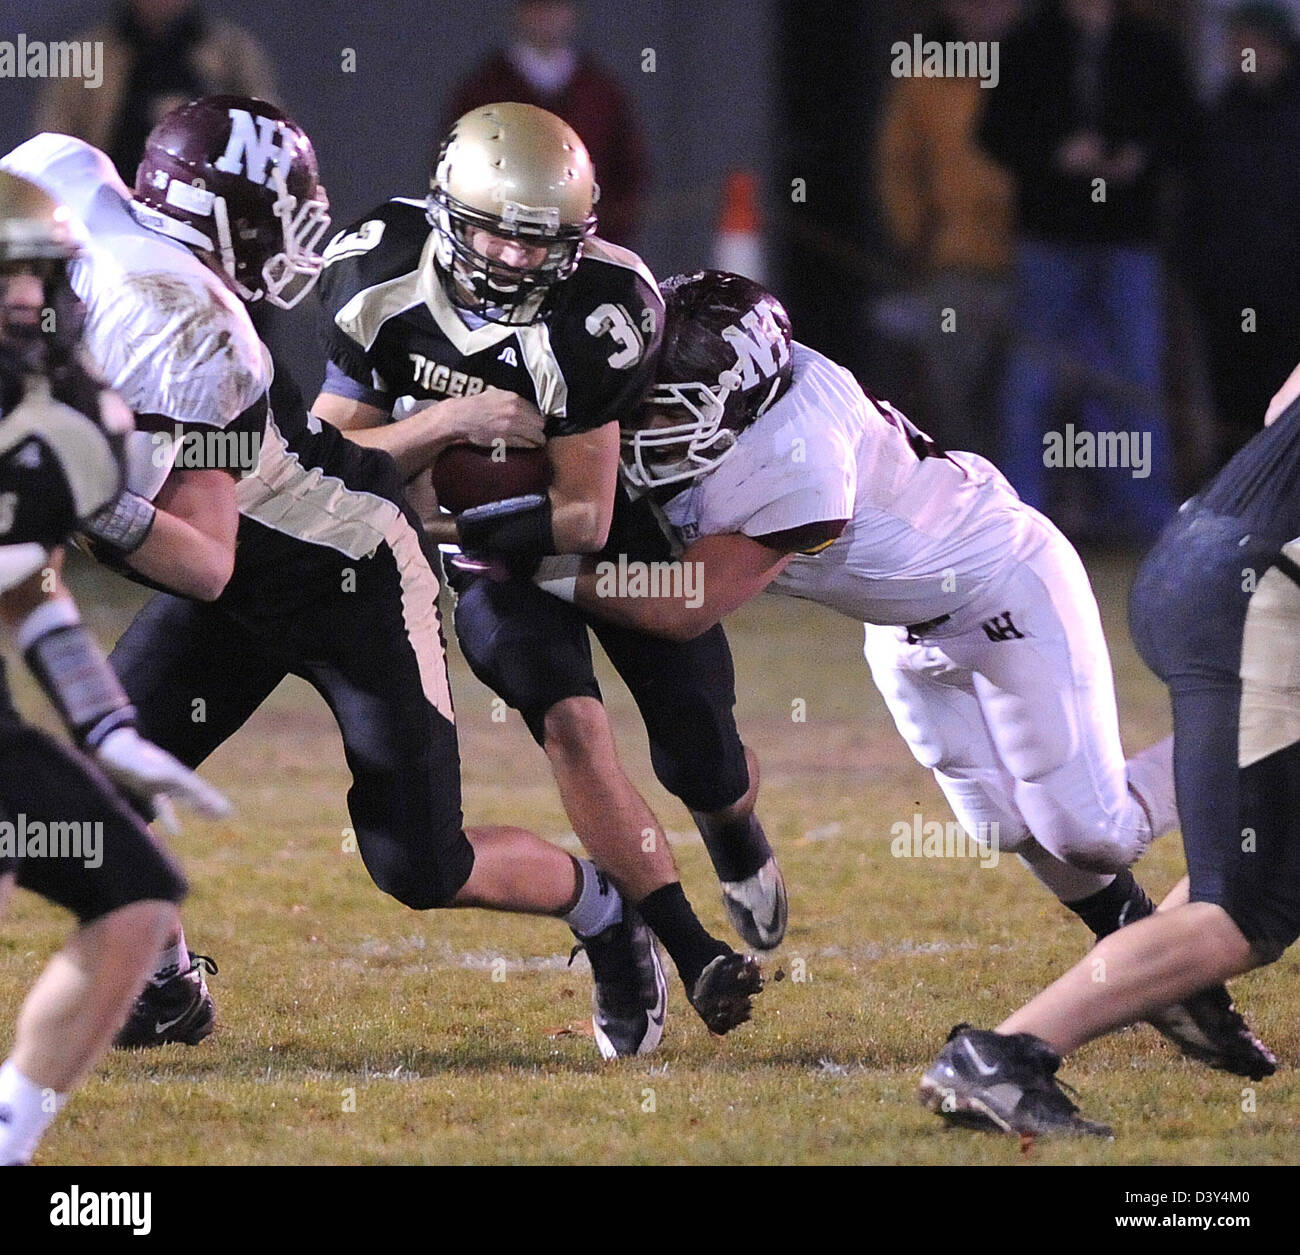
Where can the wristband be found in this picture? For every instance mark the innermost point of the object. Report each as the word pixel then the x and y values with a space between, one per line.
pixel 558 575
pixel 124 524
pixel 73 672
pixel 518 528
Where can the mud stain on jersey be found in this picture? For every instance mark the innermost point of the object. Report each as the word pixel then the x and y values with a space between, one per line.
pixel 199 324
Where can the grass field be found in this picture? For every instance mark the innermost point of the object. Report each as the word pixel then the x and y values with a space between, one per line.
pixel 352 1030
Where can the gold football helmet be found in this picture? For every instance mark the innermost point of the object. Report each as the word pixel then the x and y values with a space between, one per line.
pixel 33 226
pixel 512 199
pixel 39 313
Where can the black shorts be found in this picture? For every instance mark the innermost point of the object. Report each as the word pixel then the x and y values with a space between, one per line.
pixel 364 632
pixel 1215 612
pixel 66 831
pixel 533 650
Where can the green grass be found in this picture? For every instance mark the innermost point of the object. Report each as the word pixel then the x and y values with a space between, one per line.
pixel 354 1031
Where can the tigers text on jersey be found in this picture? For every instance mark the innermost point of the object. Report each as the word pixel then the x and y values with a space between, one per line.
pixel 395 339
pixel 163 329
pixel 926 534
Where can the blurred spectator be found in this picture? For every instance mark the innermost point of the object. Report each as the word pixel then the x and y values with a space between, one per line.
pixel 543 66
pixel 157 54
pixel 950 210
pixel 1090 115
pixel 1241 247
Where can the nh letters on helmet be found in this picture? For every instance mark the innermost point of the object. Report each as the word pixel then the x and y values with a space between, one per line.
pixel 255 145
pixel 761 352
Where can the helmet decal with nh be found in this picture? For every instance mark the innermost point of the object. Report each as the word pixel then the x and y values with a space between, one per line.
pixel 236 178
pixel 725 359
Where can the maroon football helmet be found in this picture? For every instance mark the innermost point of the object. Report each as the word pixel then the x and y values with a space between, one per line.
pixel 236 177
pixel 725 360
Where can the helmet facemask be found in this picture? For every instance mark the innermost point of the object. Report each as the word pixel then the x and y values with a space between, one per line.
pixel 702 443
pixel 291 272
pixel 40 316
pixel 488 287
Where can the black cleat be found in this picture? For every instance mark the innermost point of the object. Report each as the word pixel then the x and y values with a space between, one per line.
pixel 1002 1082
pixel 758 907
pixel 724 993
pixel 629 995
pixel 177 1010
pixel 1208 1028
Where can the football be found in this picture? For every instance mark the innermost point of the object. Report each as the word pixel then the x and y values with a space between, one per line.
pixel 466 475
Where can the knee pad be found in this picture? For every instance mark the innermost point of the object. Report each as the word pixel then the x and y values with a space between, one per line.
pixel 422 881
pixel 981 798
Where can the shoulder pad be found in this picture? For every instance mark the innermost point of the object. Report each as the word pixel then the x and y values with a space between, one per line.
pixel 380 246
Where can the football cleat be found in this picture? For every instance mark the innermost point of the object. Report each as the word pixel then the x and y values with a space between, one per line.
pixel 724 993
pixel 758 907
pixel 1002 1082
pixel 629 995
pixel 1208 1028
pixel 179 1009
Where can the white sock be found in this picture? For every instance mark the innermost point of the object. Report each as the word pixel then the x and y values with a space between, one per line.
pixel 599 903
pixel 1069 884
pixel 174 958
pixel 26 1111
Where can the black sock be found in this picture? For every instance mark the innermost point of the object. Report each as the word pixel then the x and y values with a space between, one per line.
pixel 672 920
pixel 738 847
pixel 1119 903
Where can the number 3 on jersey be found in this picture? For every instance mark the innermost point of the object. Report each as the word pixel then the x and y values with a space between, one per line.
pixel 362 240
pixel 614 321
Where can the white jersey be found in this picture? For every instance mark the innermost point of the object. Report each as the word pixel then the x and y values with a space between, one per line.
pixel 925 535
pixel 163 329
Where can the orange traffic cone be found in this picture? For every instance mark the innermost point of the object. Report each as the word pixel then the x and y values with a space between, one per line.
pixel 739 245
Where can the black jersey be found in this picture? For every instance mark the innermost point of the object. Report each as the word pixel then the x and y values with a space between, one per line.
pixel 60 461
pixel 1261 484
pixel 394 338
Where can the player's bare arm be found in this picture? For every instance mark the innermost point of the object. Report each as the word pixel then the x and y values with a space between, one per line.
pixel 416 442
pixel 584 476
pixel 733 569
pixel 190 548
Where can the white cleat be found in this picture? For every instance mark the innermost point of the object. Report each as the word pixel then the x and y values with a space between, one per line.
pixel 758 907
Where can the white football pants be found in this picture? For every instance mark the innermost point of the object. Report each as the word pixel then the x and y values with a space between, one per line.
pixel 1021 731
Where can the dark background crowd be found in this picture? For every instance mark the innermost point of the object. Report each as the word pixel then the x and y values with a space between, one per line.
pixel 1104 240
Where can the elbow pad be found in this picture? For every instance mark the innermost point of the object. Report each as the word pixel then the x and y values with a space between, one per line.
pixel 517 529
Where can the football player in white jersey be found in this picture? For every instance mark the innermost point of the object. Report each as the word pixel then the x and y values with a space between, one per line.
pixel 332 580
pixel 774 470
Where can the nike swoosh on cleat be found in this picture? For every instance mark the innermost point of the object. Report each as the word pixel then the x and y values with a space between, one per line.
pixel 984 1069
pixel 660 1008
pixel 161 1026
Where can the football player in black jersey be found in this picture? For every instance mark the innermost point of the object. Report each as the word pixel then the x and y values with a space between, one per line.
pixel 493 303
pixel 332 580
pixel 1215 612
pixel 66 832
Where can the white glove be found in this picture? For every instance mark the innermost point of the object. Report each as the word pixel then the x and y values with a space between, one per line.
pixel 143 769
